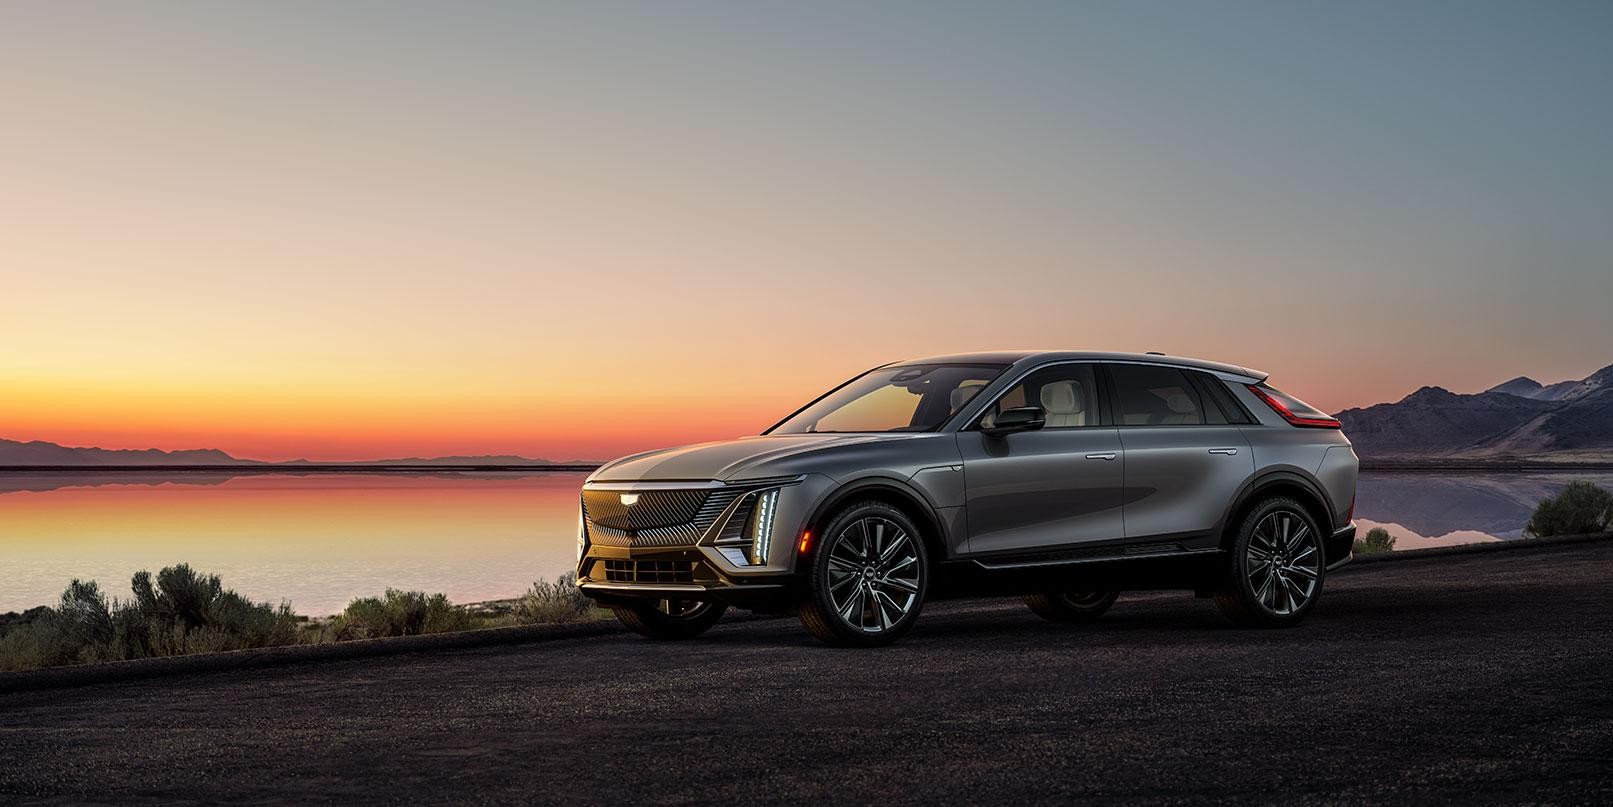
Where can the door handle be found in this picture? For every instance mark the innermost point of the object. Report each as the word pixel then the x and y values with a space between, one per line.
pixel 1227 451
pixel 1109 455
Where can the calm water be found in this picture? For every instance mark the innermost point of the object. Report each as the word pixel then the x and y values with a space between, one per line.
pixel 1424 510
pixel 317 541
pixel 321 540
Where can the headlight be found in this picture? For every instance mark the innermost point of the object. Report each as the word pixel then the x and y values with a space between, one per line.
pixel 748 536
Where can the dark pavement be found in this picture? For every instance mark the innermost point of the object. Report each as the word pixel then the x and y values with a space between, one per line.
pixel 1466 678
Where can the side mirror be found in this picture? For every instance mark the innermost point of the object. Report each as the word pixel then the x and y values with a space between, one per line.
pixel 1018 419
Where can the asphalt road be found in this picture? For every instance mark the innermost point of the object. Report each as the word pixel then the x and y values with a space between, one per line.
pixel 1471 678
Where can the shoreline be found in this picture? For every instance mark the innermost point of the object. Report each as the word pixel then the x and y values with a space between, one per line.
pixel 317 468
pixel 1484 466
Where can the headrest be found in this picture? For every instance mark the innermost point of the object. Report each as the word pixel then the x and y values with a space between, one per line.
pixel 965 393
pixel 1180 404
pixel 1062 397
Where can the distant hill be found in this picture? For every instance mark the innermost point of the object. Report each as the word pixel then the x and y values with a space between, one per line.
pixel 40 453
pixel 490 459
pixel 1525 387
pixel 1518 419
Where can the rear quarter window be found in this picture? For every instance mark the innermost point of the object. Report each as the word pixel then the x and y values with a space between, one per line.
pixel 1219 399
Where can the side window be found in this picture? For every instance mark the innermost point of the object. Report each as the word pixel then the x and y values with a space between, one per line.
pixel 1068 393
pixel 1219 401
pixel 1151 395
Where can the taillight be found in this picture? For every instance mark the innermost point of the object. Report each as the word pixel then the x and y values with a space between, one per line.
pixel 1311 419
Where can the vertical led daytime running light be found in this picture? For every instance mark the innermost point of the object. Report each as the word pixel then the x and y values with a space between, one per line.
pixel 763 536
pixel 582 535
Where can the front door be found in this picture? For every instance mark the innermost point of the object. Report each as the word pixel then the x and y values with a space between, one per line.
pixel 1054 487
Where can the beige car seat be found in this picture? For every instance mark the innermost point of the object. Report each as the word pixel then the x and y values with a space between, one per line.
pixel 1065 403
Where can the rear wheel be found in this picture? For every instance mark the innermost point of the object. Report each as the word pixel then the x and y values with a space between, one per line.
pixel 1080 606
pixel 1276 567
pixel 868 577
pixel 670 619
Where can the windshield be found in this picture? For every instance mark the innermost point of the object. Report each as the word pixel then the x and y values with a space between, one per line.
pixel 909 398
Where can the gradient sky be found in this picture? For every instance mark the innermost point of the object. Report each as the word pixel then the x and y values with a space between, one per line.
pixel 344 230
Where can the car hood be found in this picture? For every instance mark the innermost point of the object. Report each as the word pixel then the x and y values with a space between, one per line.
pixel 747 457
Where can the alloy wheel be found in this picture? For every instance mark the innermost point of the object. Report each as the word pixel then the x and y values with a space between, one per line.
pixel 1283 562
pixel 874 573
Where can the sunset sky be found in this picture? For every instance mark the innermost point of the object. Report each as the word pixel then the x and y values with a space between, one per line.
pixel 359 230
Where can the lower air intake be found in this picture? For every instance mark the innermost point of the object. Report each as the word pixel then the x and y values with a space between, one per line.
pixel 649 571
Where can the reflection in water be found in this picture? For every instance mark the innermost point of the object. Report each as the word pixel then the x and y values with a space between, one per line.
pixel 1429 509
pixel 317 541
pixel 45 482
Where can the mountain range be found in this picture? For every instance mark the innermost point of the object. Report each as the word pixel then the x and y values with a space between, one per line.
pixel 1520 419
pixel 41 453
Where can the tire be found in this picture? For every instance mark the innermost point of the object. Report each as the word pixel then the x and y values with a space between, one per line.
pixel 1276 566
pixel 1071 606
pixel 670 619
pixel 867 578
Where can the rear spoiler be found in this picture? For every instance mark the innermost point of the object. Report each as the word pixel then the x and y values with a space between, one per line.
pixel 1258 375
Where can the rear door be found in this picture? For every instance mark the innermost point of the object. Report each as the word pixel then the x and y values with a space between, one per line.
pixel 1053 487
pixel 1184 461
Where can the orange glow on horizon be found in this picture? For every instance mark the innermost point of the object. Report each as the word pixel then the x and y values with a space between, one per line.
pixel 589 419
pixel 333 424
pixel 575 235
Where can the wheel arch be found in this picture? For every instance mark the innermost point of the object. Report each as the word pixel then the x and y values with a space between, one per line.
pixel 1282 482
pixel 890 491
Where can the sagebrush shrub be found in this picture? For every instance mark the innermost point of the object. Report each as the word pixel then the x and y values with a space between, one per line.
pixel 400 613
pixel 1377 541
pixel 182 612
pixel 557 602
pixel 1580 508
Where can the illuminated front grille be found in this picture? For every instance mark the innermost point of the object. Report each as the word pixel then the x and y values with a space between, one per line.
pixel 603 530
pixel 643 510
pixel 649 571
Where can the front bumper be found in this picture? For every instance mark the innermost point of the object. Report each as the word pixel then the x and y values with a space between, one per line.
pixel 697 561
pixel 621 575
pixel 754 595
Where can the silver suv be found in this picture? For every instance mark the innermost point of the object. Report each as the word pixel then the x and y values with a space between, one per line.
pixel 1063 477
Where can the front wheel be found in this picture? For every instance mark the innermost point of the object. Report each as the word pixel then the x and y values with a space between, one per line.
pixel 1276 567
pixel 868 577
pixel 670 619
pixel 1082 606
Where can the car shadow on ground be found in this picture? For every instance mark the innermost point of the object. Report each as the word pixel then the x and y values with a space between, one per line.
pixel 1153 616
